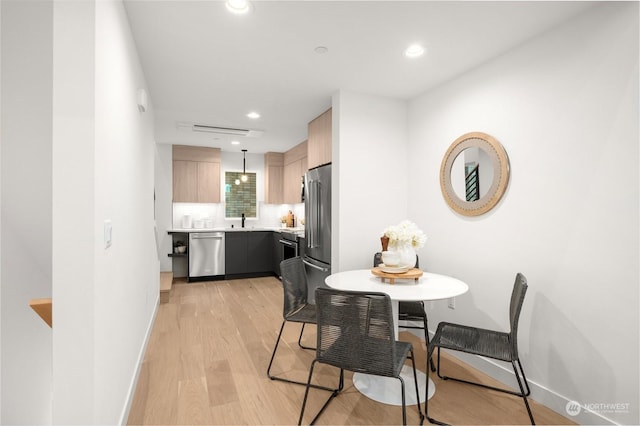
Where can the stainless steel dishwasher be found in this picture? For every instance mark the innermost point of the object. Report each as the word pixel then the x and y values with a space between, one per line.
pixel 206 254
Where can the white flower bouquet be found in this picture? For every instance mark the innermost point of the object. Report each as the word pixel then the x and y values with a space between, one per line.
pixel 405 234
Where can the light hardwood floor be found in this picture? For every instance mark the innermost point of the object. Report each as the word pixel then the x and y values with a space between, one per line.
pixel 208 353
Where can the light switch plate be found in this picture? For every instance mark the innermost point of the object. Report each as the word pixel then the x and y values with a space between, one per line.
pixel 107 234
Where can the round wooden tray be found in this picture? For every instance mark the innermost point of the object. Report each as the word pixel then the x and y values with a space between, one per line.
pixel 413 273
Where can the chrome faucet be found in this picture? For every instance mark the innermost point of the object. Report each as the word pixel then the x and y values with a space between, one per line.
pixel 243 220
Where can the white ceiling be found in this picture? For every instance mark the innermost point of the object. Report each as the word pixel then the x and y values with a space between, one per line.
pixel 205 65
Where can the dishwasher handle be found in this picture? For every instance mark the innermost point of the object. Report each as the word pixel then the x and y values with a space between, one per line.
pixel 207 235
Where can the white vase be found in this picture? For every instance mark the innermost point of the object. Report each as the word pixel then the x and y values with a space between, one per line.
pixel 407 256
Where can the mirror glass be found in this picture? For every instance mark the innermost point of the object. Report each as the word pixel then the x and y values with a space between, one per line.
pixel 239 196
pixel 474 174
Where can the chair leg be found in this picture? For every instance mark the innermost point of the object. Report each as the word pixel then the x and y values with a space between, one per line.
pixel 427 342
pixel 404 404
pixel 306 392
pixel 524 390
pixel 426 338
pixel 334 393
pixel 520 394
pixel 300 340
pixel 426 403
pixel 438 369
pixel 273 355
pixel 528 391
pixel 415 382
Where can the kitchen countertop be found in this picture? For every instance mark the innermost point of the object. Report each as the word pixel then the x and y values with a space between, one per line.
pixel 236 229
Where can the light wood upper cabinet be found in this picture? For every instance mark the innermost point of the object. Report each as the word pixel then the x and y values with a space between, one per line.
pixel 295 166
pixel 274 178
pixel 319 143
pixel 293 182
pixel 185 181
pixel 208 182
pixel 196 174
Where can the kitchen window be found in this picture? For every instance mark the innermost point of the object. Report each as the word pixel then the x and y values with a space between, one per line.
pixel 239 196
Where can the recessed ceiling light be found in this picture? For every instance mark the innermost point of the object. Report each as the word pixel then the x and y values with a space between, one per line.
pixel 238 6
pixel 235 143
pixel 414 51
pixel 320 50
pixel 253 114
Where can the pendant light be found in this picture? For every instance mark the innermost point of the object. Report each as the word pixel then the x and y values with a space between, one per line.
pixel 244 177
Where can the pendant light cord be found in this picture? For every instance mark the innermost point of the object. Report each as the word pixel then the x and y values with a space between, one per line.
pixel 244 162
pixel 244 177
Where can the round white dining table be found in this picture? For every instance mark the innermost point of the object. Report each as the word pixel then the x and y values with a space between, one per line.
pixel 428 287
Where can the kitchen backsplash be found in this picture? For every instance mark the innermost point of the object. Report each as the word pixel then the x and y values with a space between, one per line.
pixel 268 214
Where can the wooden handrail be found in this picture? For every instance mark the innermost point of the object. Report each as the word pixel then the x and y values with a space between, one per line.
pixel 44 308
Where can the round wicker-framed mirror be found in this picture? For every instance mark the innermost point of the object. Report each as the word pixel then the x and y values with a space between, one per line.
pixel 474 174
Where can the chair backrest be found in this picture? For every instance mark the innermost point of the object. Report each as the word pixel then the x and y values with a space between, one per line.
pixel 355 331
pixel 294 282
pixel 377 259
pixel 515 306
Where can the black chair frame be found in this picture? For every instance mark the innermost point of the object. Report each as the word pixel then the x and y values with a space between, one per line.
pixel 507 352
pixel 374 299
pixel 296 309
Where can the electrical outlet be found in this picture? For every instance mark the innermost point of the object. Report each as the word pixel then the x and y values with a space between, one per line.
pixel 452 303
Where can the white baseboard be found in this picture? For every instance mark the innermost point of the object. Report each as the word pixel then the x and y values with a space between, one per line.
pixel 134 380
pixel 539 393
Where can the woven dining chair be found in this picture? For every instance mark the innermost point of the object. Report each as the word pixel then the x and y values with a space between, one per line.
pixel 355 333
pixel 295 308
pixel 487 343
pixel 411 311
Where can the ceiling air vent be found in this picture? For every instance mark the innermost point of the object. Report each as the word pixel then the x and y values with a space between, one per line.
pixel 222 130
pixel 226 130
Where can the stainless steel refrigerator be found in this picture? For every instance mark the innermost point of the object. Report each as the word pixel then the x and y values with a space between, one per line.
pixel 317 227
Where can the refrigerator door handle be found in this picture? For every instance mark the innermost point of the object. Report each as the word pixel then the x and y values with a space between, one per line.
pixel 319 268
pixel 314 194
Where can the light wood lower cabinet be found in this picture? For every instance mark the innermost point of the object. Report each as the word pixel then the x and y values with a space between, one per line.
pixel 196 174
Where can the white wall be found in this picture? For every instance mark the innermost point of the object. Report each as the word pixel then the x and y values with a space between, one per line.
pixel 25 217
pixel 565 107
pixel 370 181
pixel 73 212
pixel 0 217
pixel 103 169
pixel 164 198
pixel 126 274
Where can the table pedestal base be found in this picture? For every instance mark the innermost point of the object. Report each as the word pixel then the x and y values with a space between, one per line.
pixel 388 389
